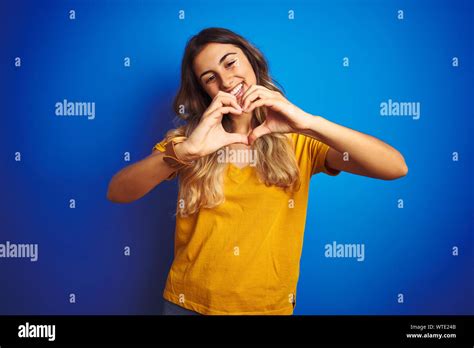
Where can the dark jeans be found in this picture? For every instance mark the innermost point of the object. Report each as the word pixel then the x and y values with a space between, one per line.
pixel 169 308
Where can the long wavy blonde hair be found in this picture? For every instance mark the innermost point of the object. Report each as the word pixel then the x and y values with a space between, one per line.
pixel 201 185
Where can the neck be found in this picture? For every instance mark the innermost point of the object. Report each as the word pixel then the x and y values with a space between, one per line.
pixel 242 123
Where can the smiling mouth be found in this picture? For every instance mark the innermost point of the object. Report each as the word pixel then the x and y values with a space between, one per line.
pixel 238 92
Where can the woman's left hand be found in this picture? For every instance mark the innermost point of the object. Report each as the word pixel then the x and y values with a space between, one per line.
pixel 282 116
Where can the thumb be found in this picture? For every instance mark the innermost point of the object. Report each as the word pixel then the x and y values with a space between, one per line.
pixel 258 132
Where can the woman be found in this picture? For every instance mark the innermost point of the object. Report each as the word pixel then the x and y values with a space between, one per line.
pixel 240 224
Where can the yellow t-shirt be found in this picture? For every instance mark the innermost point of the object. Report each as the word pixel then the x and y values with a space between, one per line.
pixel 243 256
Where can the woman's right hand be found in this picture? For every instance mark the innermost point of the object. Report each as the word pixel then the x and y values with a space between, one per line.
pixel 209 136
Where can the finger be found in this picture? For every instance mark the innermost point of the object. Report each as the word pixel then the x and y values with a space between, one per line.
pixel 229 103
pixel 217 100
pixel 250 98
pixel 234 103
pixel 261 92
pixel 258 132
pixel 229 110
pixel 254 88
pixel 225 110
pixel 223 100
pixel 261 102
pixel 249 91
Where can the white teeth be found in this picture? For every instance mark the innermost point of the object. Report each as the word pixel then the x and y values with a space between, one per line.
pixel 236 90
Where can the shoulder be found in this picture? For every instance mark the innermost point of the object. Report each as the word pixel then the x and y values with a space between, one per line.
pixel 313 151
pixel 305 145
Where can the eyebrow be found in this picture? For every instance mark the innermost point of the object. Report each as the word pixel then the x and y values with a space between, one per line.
pixel 220 62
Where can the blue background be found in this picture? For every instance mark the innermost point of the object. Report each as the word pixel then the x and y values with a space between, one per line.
pixel 407 250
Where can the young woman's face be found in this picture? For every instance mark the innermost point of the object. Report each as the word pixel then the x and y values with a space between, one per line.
pixel 224 67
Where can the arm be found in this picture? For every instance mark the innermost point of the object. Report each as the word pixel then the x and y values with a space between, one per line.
pixel 136 180
pixel 368 155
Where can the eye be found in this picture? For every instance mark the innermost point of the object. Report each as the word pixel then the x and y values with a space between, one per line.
pixel 228 65
pixel 212 77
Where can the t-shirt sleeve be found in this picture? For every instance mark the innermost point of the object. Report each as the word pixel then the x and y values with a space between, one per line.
pixel 160 146
pixel 318 153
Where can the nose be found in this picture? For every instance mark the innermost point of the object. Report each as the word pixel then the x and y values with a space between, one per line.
pixel 227 83
pixel 227 87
